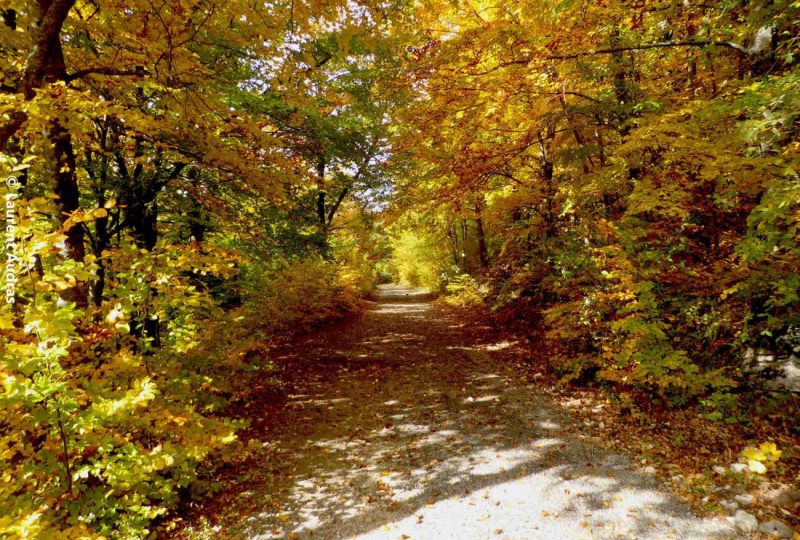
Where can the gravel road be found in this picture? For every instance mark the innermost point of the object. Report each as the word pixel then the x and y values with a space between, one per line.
pixel 404 425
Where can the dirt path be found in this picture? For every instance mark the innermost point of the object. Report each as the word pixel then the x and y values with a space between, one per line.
pixel 405 427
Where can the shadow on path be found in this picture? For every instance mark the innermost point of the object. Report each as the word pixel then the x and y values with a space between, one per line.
pixel 403 425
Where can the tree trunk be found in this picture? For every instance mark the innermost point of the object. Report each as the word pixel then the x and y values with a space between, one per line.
pixel 102 241
pixel 548 213
pixel 66 187
pixel 619 72
pixel 464 236
pixel 46 64
pixel 483 252
pixel 452 237
pixel 321 193
pixel 102 235
pixel 145 227
pixel 197 215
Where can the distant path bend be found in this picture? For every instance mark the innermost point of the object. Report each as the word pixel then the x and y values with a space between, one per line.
pixel 403 425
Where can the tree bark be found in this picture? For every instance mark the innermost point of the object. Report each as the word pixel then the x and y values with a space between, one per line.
pixel 197 214
pixel 46 65
pixel 321 193
pixel 548 169
pixel 483 252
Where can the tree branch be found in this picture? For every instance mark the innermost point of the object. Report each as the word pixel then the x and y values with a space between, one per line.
pixel 657 45
pixel 336 205
pixel 32 77
pixel 137 71
pixel 612 50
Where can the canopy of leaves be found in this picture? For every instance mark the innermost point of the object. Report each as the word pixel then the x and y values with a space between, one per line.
pixel 187 179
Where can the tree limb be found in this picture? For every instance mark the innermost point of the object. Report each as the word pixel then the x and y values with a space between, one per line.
pixel 137 71
pixel 657 45
pixel 335 207
pixel 613 50
pixel 46 45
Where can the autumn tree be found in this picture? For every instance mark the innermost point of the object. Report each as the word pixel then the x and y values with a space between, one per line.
pixel 154 180
pixel 622 183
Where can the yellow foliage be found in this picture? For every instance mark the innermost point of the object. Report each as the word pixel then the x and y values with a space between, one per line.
pixel 760 459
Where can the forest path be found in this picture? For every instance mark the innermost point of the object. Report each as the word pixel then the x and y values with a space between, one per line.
pixel 404 425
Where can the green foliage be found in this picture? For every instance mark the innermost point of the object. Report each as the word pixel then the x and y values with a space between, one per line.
pixel 102 429
pixel 721 405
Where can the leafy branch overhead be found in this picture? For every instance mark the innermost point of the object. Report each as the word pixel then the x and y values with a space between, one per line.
pixel 190 182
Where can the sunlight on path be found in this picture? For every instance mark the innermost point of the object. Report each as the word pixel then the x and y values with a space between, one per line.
pixel 405 427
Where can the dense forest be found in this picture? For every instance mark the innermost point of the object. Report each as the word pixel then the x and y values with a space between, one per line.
pixel 188 182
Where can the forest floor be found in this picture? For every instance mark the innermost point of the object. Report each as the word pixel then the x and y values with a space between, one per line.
pixel 407 423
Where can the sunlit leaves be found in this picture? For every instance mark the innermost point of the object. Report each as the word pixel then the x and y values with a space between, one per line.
pixel 643 198
pixel 760 459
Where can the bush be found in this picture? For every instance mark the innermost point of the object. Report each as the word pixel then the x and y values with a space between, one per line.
pixel 300 294
pixel 109 411
pixel 102 429
pixel 465 291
